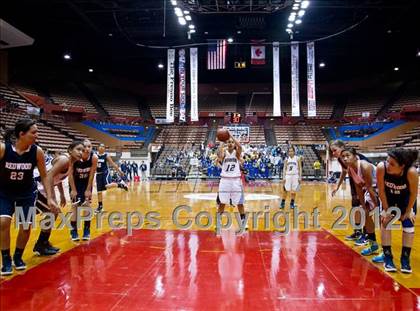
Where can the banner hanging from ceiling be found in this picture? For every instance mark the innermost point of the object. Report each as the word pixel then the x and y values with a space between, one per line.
pixel 276 80
pixel 182 82
pixel 170 87
pixel 194 83
pixel 295 79
pixel 310 52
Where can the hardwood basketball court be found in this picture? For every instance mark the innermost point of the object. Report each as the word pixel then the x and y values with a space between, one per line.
pixel 195 269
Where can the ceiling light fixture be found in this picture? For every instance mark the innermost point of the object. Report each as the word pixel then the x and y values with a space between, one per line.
pixel 178 12
pixel 182 21
pixel 305 4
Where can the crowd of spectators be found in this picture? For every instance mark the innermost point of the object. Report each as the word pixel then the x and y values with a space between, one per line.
pixel 258 161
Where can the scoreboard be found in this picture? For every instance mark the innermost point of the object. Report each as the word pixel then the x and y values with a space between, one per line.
pixel 235 118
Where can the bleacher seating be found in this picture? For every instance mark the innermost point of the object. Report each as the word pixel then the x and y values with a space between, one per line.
pixel 324 109
pixel 176 135
pixel 207 103
pixel 115 102
pixel 264 103
pixel 60 124
pixel 409 139
pixel 217 103
pixel 309 157
pixel 122 104
pixel 369 100
pixel 299 134
pixel 256 135
pixel 48 138
pixel 360 104
pixel 68 94
pixel 165 168
pixel 157 105
pixel 410 97
pixel 24 89
pixel 12 97
pixel 260 103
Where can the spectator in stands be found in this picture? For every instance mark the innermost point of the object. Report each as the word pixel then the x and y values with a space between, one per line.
pixel 135 169
pixel 280 165
pixel 317 169
pixel 129 171
pixel 143 171
pixel 180 174
pixel 124 167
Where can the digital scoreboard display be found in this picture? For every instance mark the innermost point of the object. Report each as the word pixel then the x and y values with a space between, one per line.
pixel 235 118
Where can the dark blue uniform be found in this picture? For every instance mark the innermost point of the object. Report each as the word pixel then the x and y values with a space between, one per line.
pixel 397 190
pixel 81 172
pixel 17 180
pixel 102 173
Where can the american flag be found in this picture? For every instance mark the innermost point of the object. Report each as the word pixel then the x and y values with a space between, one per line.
pixel 216 54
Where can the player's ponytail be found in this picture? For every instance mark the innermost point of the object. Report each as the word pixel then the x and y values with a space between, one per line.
pixel 405 157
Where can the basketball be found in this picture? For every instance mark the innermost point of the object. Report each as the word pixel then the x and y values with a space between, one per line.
pixel 223 135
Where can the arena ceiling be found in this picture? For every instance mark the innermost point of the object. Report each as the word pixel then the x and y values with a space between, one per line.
pixel 108 35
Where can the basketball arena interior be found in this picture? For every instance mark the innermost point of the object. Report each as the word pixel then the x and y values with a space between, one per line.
pixel 319 102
